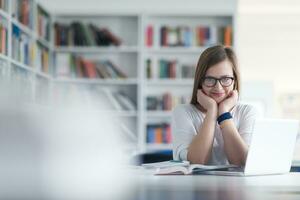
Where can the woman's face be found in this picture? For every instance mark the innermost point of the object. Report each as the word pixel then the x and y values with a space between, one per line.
pixel 220 70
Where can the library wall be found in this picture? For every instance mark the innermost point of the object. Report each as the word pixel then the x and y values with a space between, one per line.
pixel 268 45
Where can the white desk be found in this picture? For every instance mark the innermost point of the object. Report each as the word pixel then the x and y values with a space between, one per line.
pixel 283 187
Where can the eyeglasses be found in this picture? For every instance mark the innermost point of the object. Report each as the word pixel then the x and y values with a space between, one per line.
pixel 210 81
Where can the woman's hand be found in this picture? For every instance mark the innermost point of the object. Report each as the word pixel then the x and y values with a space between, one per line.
pixel 227 104
pixel 208 103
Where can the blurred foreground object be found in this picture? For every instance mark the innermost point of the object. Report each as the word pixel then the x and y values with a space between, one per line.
pixel 50 153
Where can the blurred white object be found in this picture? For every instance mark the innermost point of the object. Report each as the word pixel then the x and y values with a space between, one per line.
pixel 59 154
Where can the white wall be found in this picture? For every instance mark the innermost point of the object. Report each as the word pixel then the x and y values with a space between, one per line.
pixel 268 44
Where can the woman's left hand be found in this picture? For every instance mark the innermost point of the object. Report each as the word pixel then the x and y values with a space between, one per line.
pixel 229 102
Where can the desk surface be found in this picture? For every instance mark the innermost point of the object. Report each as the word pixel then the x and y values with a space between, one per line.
pixel 285 187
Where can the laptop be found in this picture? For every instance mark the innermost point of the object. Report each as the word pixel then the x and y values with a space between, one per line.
pixel 271 150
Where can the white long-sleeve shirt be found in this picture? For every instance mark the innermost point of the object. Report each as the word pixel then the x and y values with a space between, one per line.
pixel 186 123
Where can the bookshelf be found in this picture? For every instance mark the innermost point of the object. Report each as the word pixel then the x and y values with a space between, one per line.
pixel 139 65
pixel 144 57
pixel 171 48
pixel 117 91
pixel 25 54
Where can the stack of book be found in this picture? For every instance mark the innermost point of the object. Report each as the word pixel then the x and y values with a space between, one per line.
pixel 159 133
pixel 169 69
pixel 23 12
pixel 165 102
pixel 23 47
pixel 3 39
pixel 4 5
pixel 79 34
pixel 43 24
pixel 185 36
pixel 42 59
pixel 78 67
pixel 188 71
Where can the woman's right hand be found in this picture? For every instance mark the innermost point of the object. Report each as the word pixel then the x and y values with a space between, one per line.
pixel 208 103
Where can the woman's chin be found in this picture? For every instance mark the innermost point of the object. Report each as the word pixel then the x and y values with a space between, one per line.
pixel 219 99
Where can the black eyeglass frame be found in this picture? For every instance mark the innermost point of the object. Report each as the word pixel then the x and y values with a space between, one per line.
pixel 218 79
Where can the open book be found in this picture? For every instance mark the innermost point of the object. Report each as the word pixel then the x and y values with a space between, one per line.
pixel 192 169
pixel 166 164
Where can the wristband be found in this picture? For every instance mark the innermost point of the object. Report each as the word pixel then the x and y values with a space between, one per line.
pixel 223 117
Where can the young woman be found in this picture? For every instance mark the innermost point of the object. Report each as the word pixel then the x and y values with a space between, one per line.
pixel 214 128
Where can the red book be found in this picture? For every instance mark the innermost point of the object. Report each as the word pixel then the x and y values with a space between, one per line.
pixel 25 12
pixel 164 35
pixel 149 35
pixel 90 69
pixel 78 67
pixel 3 40
pixel 202 35
pixel 168 134
pixel 172 68
pixel 227 36
pixel 198 35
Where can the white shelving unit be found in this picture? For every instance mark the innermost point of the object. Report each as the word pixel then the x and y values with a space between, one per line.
pixel 29 79
pixel 131 29
pixel 130 56
pixel 126 56
pixel 183 55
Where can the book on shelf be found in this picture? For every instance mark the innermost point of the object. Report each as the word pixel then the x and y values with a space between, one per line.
pixel 43 23
pixel 62 34
pixel 188 71
pixel 158 133
pixel 23 48
pixel 62 65
pixel 169 69
pixel 89 68
pixel 184 36
pixel 3 39
pixel 42 59
pixel 71 65
pixel 149 36
pixel 80 34
pixel 149 71
pixel 22 10
pixel 165 102
pixel 192 169
pixel 4 5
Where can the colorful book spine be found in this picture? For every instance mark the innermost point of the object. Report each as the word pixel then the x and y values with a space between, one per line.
pixel 165 102
pixel 3 39
pixel 159 133
pixel 80 34
pixel 149 36
pixel 43 24
pixel 172 36
pixel 87 68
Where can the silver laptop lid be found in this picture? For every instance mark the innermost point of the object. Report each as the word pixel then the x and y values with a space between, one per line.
pixel 272 146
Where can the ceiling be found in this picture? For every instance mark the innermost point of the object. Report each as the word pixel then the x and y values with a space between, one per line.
pixel 139 6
